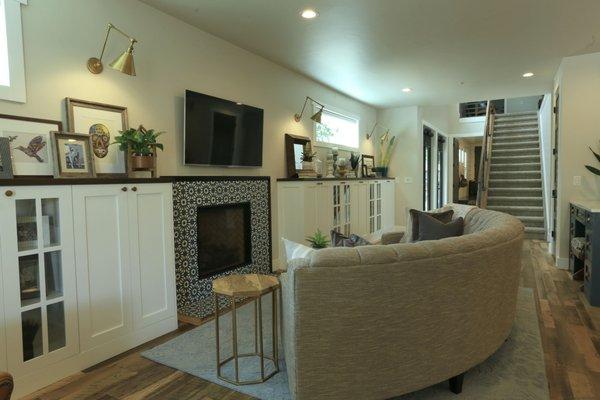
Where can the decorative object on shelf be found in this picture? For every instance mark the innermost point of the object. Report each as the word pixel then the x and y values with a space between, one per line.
pixel 335 154
pixel 316 117
pixel 319 167
pixel 386 148
pixel 318 240
pixel 368 162
pixel 308 165
pixel 101 122
pixel 140 144
pixel 594 170
pixel 6 171
pixel 29 143
pixel 377 124
pixel 294 147
pixel 123 63
pixel 342 167
pixel 330 166
pixel 72 154
pixel 354 162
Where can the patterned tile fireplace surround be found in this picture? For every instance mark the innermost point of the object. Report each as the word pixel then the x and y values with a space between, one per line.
pixel 194 287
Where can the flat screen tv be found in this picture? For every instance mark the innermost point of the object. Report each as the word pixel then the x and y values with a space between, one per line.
pixel 221 132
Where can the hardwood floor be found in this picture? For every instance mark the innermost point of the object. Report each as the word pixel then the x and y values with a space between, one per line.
pixel 569 327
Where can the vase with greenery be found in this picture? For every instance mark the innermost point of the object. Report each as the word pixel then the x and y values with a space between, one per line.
pixel 318 240
pixel 594 170
pixel 386 148
pixel 141 144
pixel 307 158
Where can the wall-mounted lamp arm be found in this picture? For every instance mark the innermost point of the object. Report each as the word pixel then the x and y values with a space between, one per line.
pixel 95 64
pixel 298 117
pixel 377 124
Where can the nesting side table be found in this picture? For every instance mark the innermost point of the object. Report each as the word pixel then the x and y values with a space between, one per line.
pixel 247 286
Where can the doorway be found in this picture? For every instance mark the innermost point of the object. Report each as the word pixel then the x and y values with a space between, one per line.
pixel 467 153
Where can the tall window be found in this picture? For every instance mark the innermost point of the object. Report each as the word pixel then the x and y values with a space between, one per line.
pixel 427 146
pixel 12 69
pixel 441 171
pixel 337 130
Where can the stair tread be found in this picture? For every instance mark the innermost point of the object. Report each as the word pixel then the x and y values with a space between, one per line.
pixel 535 229
pixel 520 156
pixel 524 208
pixel 515 198
pixel 510 138
pixel 509 150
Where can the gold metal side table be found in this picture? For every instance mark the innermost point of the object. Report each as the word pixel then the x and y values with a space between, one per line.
pixel 247 286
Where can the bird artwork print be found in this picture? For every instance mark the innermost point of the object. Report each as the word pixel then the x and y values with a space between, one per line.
pixel 35 146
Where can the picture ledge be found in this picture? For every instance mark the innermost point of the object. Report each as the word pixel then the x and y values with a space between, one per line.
pixel 47 180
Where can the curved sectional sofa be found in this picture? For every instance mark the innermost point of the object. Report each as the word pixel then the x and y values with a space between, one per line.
pixel 376 322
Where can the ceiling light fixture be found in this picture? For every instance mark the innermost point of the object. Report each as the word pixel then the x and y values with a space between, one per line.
pixel 124 63
pixel 316 117
pixel 309 13
pixel 407 90
pixel 528 74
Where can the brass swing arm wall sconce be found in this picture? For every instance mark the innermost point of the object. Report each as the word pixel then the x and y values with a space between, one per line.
pixel 316 117
pixel 370 134
pixel 124 63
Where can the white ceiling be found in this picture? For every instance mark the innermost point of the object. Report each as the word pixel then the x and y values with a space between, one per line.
pixel 446 50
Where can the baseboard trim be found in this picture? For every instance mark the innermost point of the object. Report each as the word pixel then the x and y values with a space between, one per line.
pixel 562 263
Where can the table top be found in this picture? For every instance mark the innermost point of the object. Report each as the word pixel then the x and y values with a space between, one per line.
pixel 589 205
pixel 245 285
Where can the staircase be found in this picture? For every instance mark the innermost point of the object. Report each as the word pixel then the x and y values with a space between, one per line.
pixel 515 175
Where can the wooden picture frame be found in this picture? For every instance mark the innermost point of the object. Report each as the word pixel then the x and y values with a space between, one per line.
pixel 291 141
pixel 72 153
pixel 367 167
pixel 29 140
pixel 6 170
pixel 102 122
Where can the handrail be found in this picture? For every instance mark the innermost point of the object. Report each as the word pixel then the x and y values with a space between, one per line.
pixel 486 156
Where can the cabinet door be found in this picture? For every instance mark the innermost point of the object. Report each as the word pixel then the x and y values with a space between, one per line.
pixel 325 206
pixel 290 200
pixel 152 253
pixel 102 255
pixel 359 208
pixel 38 276
pixel 388 203
pixel 3 366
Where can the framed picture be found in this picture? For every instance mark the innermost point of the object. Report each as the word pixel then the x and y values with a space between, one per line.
pixel 72 154
pixel 368 162
pixel 102 122
pixel 294 147
pixel 6 171
pixel 29 143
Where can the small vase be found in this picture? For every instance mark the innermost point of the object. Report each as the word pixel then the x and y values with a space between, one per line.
pixel 308 165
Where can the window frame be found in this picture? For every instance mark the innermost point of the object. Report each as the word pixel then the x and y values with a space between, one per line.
pixel 343 115
pixel 16 92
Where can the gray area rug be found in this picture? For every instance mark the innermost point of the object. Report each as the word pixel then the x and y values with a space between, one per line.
pixel 516 371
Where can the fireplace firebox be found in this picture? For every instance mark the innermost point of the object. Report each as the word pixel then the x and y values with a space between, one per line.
pixel 224 238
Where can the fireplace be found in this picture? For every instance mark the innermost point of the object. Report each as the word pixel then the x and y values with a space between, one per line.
pixel 224 238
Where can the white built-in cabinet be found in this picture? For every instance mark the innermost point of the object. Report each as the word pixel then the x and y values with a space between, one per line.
pixel 362 207
pixel 87 272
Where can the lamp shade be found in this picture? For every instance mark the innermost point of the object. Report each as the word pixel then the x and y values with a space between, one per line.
pixel 317 116
pixel 124 62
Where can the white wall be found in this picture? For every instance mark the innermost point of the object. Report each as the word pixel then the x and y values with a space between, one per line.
pixel 522 104
pixel 578 80
pixel 171 56
pixel 545 123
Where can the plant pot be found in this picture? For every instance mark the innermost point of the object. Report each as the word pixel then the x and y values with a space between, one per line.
pixel 381 172
pixel 308 165
pixel 142 162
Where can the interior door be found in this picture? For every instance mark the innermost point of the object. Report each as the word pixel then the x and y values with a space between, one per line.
pixel 3 365
pixel 152 253
pixel 455 173
pixel 103 265
pixel 555 165
pixel 38 276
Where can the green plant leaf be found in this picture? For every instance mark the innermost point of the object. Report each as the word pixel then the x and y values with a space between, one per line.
pixel 595 154
pixel 593 170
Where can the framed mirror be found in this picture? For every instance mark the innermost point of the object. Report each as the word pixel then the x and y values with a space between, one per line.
pixel 294 146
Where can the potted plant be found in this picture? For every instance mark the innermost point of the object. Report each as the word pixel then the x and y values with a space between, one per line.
pixel 354 159
pixel 386 148
pixel 307 158
pixel 318 240
pixel 141 146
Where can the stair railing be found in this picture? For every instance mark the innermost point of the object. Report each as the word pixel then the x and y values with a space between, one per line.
pixel 486 157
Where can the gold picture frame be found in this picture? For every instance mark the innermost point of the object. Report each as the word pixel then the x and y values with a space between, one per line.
pixel 72 153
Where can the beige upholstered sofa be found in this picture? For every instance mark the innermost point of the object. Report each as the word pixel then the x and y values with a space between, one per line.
pixel 376 322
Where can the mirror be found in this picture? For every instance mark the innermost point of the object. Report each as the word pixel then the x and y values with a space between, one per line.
pixel 294 146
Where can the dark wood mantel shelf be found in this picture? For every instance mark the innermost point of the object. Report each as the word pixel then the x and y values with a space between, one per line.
pixel 332 179
pixel 47 180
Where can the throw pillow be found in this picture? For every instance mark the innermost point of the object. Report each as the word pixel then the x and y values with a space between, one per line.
pixel 339 240
pixel 444 216
pixel 295 250
pixel 431 228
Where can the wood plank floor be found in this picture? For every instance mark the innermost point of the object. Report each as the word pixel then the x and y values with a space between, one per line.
pixel 570 331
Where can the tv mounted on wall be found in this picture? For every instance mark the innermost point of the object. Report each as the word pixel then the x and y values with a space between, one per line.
pixel 221 132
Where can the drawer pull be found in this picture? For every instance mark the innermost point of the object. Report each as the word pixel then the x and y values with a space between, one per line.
pixel 124 188
pixel 134 189
pixel 9 193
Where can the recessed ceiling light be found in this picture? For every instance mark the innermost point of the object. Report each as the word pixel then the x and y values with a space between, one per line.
pixel 528 74
pixel 407 90
pixel 309 13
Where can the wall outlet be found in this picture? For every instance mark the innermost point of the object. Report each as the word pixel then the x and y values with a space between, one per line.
pixel 408 179
pixel 577 180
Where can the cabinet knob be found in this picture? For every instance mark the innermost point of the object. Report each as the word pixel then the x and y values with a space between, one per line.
pixel 134 189
pixel 124 188
pixel 9 193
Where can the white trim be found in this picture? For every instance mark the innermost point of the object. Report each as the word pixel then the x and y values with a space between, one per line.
pixel 16 91
pixel 468 120
pixel 562 263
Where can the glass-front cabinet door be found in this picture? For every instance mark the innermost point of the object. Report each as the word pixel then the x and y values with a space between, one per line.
pixel 38 271
pixel 375 222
